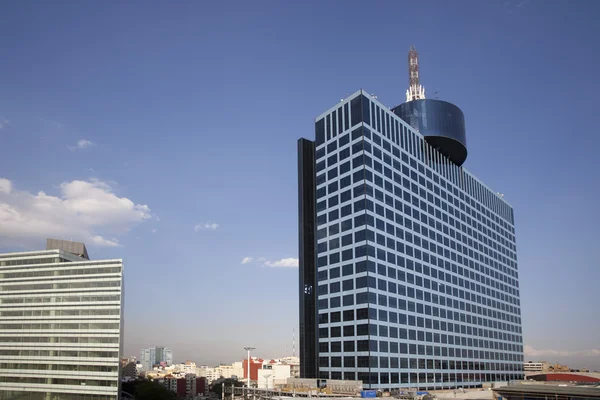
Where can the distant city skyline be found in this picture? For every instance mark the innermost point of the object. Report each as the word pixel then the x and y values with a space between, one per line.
pixel 166 136
pixel 575 364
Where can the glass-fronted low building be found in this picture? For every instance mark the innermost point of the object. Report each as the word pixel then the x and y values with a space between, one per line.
pixel 408 268
pixel 60 324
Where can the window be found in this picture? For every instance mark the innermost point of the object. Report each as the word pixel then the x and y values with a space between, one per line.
pixel 365 110
pixel 332 173
pixel 320 132
pixel 332 159
pixel 347 270
pixel 362 330
pixel 346 118
pixel 348 330
pixel 347 195
pixel 362 345
pixel 345 167
pixel 362 361
pixel 362 313
pixel 336 316
pixel 355 111
pixel 336 347
pixel 346 239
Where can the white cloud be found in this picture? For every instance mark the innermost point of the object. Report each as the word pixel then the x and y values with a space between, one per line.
pixel 5 186
pixel 82 144
pixel 532 352
pixel 4 123
pixel 154 230
pixel 284 262
pixel 84 210
pixel 209 225
pixel 100 241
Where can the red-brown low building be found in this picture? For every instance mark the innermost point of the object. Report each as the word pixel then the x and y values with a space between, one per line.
pixel 564 377
pixel 188 386
pixel 255 365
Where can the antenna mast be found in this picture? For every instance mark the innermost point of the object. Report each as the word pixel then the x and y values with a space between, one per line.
pixel 415 90
pixel 293 342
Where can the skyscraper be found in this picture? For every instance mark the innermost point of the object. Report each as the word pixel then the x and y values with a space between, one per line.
pixel 408 270
pixel 154 356
pixel 60 324
pixel 147 358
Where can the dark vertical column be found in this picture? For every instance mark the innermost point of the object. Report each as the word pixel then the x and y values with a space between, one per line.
pixel 308 259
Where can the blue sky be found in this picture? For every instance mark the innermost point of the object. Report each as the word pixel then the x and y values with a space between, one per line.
pixel 165 134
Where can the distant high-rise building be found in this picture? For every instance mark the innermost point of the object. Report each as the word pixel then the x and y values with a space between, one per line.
pixel 147 357
pixel 164 355
pixel 408 268
pixel 60 324
pixel 155 356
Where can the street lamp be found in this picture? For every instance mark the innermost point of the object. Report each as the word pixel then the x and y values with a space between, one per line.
pixel 267 381
pixel 248 350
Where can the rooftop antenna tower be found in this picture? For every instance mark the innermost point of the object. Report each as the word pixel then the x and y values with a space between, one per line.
pixel 415 90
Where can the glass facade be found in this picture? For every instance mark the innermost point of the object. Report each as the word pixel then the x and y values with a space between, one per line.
pixel 60 326
pixel 307 278
pixel 442 124
pixel 417 282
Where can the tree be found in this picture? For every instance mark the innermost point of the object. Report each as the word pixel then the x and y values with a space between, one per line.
pixel 148 390
pixel 129 370
pixel 217 385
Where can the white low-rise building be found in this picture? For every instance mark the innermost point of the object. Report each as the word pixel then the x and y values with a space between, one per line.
pixel 189 367
pixel 210 373
pixel 294 363
pixel 533 366
pixel 271 375
pixel 234 370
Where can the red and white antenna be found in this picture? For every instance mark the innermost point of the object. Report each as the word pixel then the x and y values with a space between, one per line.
pixel 415 90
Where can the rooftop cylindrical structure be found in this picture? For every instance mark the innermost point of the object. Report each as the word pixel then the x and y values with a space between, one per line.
pixel 441 123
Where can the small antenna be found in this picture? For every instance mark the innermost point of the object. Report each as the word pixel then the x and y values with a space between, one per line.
pixel 293 342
